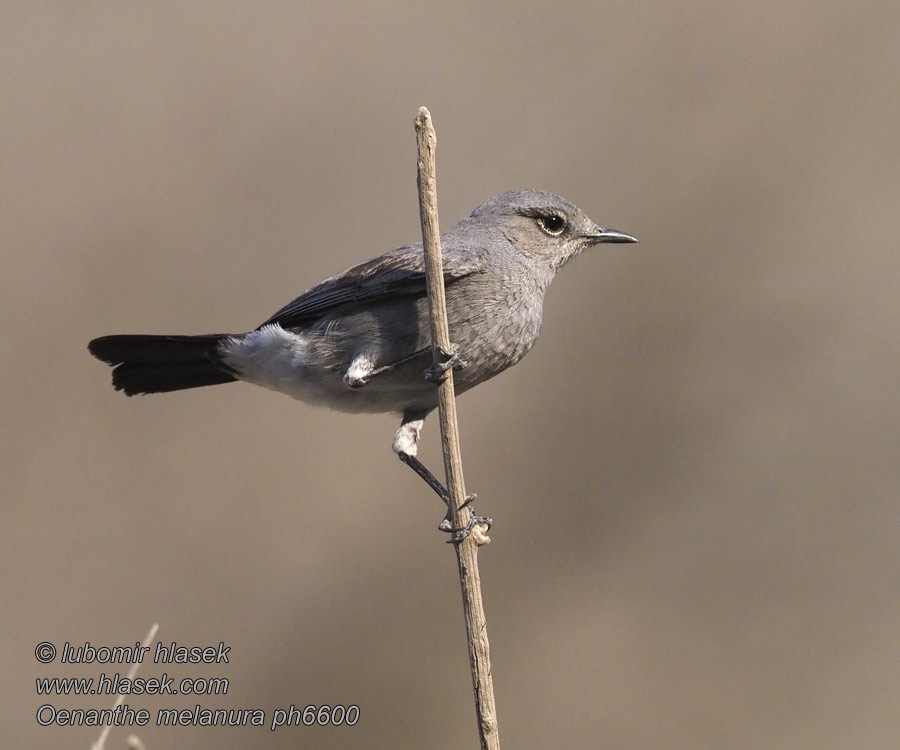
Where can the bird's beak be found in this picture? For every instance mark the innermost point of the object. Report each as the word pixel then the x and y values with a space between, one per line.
pixel 610 235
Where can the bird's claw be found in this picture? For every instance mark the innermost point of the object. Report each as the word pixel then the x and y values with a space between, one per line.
pixel 446 360
pixel 462 532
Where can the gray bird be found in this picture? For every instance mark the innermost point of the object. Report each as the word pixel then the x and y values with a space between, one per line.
pixel 360 340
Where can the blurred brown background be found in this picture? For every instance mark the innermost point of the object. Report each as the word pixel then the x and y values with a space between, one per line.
pixel 694 476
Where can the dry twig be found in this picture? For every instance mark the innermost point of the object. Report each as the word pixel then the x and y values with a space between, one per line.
pixel 460 514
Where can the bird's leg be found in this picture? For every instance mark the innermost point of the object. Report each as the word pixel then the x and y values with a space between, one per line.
pixel 406 446
pixel 362 369
pixel 445 360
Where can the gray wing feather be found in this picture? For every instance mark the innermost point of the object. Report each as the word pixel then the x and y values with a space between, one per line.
pixel 398 272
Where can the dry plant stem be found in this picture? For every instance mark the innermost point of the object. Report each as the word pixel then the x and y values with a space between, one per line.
pixel 467 549
pixel 100 744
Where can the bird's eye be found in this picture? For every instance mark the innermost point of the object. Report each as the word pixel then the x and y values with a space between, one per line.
pixel 553 224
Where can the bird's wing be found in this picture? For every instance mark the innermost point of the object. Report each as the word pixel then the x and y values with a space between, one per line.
pixel 398 272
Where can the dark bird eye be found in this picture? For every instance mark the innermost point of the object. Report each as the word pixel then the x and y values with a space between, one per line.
pixel 552 225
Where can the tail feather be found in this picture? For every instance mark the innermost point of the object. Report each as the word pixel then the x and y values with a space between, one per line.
pixel 159 364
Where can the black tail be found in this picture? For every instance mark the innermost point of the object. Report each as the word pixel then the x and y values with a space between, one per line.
pixel 158 364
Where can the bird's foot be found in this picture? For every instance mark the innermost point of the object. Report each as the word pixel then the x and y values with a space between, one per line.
pixel 445 361
pixel 462 532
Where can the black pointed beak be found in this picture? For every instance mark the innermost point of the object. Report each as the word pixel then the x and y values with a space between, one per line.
pixel 610 235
